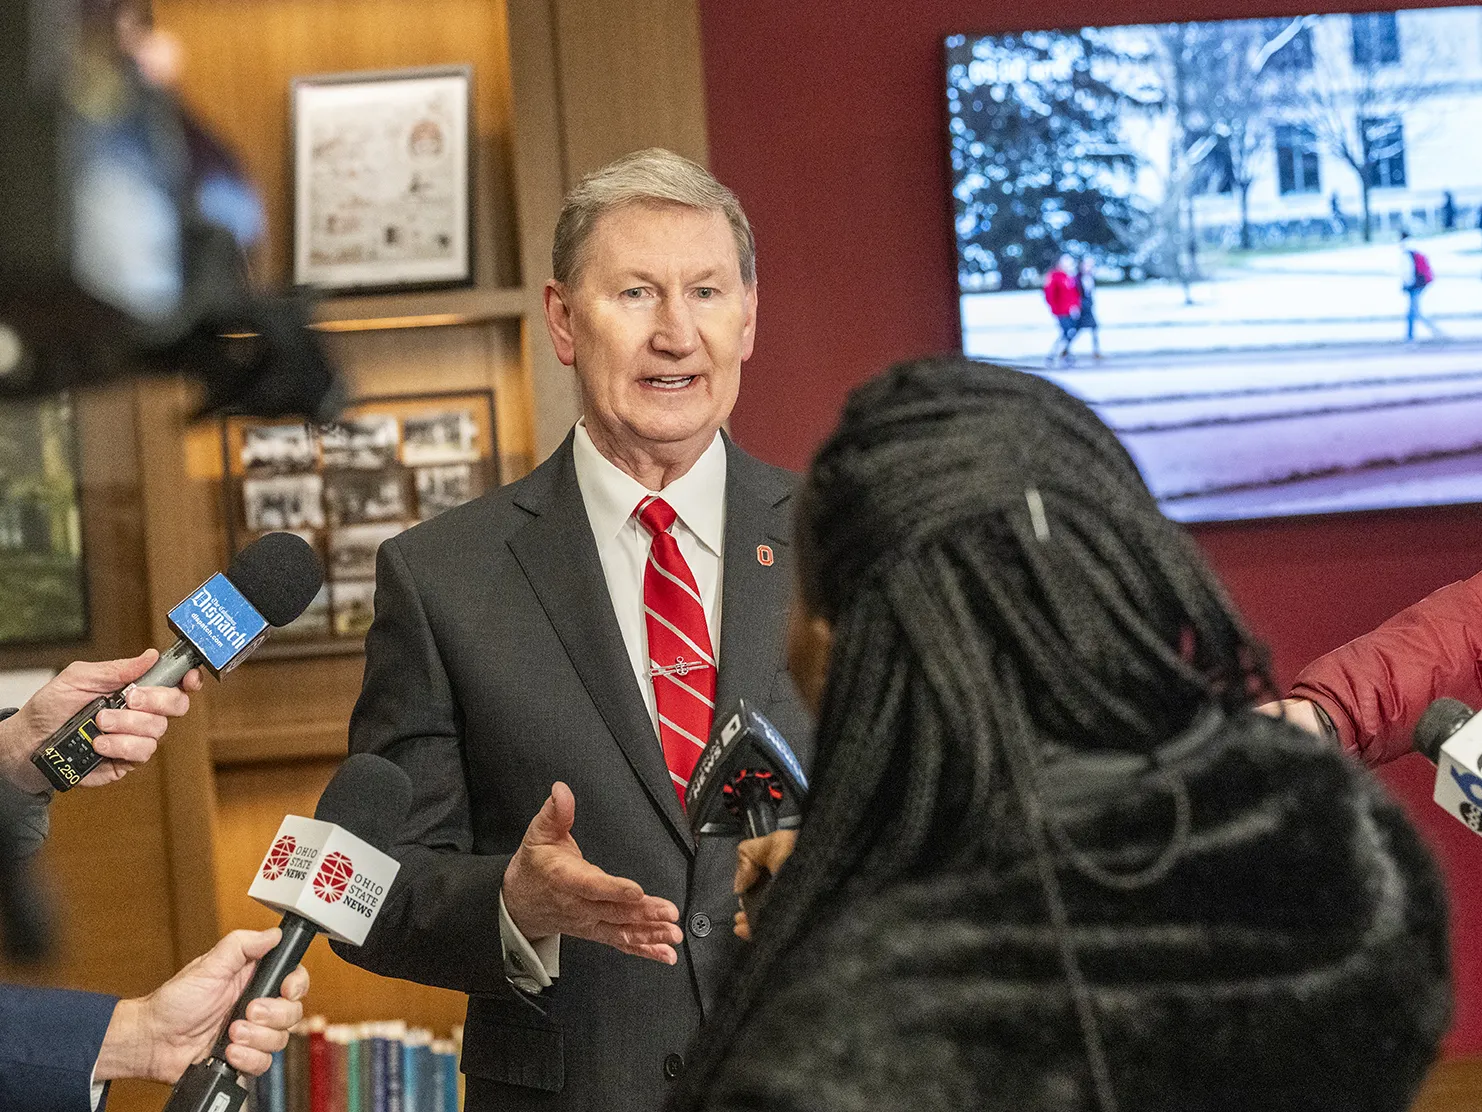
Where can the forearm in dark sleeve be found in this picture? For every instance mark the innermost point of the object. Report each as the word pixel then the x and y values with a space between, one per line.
pixel 49 1043
pixel 440 924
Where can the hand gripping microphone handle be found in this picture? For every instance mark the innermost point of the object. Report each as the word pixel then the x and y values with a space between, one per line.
pixel 327 874
pixel 267 979
pixel 68 754
pixel 211 1085
pixel 748 782
pixel 270 583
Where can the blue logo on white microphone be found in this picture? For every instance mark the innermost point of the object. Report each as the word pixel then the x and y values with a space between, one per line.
pixel 1469 784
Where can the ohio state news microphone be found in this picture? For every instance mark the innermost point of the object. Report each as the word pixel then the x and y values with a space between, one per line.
pixel 330 873
pixel 270 583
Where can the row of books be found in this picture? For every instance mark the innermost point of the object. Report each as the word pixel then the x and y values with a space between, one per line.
pixel 362 1067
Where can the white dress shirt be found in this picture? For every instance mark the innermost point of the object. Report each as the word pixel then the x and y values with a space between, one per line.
pixel 698 498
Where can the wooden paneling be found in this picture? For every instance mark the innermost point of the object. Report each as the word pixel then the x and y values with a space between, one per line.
pixel 1454 1086
pixel 241 56
pixel 629 78
pixel 252 802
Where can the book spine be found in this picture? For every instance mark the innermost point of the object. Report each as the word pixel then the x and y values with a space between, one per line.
pixel 296 1070
pixel 318 1065
pixel 409 1081
pixel 395 1083
pixel 459 1080
pixel 427 1077
pixel 445 1061
pixel 377 1070
pixel 271 1096
pixel 338 1039
pixel 353 1067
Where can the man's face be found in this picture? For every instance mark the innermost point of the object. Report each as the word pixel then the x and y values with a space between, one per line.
pixel 657 325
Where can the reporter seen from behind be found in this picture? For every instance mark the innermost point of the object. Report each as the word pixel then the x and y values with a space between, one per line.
pixel 1053 861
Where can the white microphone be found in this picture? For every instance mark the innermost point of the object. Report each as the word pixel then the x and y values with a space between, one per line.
pixel 329 874
pixel 1449 733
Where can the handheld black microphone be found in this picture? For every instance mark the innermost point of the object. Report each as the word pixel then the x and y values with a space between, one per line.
pixel 748 782
pixel 329 873
pixel 1449 733
pixel 269 584
pixel 1441 719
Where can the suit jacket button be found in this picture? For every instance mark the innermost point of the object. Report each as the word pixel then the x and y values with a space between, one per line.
pixel 699 924
pixel 673 1066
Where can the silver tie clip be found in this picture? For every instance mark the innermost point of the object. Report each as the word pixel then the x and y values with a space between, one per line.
pixel 680 667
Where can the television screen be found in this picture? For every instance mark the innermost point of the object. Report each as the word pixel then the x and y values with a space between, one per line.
pixel 1253 246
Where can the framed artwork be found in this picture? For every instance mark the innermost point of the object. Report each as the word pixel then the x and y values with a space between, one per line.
pixel 382 180
pixel 43 581
pixel 386 464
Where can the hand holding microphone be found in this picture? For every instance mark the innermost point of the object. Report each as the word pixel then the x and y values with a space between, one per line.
pixel 157 1036
pixel 758 860
pixel 129 733
pixel 329 874
pixel 269 584
pixel 748 781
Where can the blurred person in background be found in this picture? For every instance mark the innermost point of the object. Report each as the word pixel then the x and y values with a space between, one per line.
pixel 1063 297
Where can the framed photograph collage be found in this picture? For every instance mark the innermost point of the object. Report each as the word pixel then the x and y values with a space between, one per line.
pixel 387 464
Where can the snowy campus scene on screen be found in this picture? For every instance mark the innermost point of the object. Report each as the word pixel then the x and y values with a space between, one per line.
pixel 1253 246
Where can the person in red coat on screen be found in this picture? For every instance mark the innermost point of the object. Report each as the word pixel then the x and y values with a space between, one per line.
pixel 1064 299
pixel 1368 694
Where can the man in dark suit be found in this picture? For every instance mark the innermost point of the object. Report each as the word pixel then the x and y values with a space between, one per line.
pixel 550 650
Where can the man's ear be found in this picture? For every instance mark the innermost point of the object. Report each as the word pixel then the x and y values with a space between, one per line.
pixel 558 321
pixel 748 335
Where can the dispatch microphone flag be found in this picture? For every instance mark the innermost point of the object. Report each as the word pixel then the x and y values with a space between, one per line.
pixel 327 874
pixel 269 584
pixel 747 782
pixel 1449 733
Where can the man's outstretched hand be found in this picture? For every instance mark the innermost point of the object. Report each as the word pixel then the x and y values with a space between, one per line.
pixel 549 888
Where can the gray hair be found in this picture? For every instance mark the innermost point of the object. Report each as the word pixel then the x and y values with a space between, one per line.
pixel 652 176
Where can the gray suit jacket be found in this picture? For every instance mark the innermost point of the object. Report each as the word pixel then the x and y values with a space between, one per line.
pixel 495 666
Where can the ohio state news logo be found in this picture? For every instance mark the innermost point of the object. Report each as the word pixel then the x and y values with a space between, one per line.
pixel 279 857
pixel 333 878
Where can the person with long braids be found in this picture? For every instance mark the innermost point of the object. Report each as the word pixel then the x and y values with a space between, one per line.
pixel 1053 861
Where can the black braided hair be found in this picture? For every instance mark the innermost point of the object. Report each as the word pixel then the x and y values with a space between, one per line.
pixel 1002 588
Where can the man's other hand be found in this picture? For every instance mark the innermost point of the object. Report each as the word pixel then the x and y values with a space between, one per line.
pixel 549 888
pixel 757 859
pixel 158 1036
pixel 130 733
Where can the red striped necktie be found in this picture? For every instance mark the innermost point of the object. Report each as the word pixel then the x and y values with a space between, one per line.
pixel 681 663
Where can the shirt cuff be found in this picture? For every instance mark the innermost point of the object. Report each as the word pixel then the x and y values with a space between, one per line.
pixel 96 1090
pixel 530 966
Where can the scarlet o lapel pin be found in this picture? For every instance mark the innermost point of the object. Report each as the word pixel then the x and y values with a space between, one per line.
pixel 764 555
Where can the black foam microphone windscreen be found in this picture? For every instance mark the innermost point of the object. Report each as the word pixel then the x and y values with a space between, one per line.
pixel 279 574
pixel 368 796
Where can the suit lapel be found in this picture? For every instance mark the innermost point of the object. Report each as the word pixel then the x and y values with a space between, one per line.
pixel 754 596
pixel 558 555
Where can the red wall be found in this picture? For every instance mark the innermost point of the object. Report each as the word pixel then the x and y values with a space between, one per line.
pixel 829 120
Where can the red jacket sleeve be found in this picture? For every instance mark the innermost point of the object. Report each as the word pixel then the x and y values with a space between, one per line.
pixel 1376 687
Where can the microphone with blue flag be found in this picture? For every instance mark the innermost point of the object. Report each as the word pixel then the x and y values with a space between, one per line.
pixel 269 584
